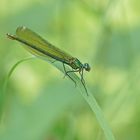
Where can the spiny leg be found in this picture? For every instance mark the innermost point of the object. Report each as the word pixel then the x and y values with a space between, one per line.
pixel 72 71
pixel 68 75
pixel 83 81
pixel 66 72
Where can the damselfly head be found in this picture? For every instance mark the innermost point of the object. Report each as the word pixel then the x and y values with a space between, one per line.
pixel 86 67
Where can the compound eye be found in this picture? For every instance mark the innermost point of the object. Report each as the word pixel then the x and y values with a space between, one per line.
pixel 87 67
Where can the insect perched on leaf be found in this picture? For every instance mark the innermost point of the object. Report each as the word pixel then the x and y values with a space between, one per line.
pixel 40 47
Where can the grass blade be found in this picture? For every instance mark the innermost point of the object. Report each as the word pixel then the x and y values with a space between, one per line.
pixel 90 99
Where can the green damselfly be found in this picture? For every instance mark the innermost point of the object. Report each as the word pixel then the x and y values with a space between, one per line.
pixel 40 47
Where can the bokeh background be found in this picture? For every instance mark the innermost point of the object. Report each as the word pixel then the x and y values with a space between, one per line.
pixel 40 104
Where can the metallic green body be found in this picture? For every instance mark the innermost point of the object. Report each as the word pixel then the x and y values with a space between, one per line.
pixel 42 48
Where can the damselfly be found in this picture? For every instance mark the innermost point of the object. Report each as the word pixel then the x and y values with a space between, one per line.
pixel 40 47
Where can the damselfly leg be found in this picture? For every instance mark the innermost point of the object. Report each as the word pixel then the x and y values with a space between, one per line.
pixel 66 74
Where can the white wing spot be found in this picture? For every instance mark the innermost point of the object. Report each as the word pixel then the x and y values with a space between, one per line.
pixel 23 28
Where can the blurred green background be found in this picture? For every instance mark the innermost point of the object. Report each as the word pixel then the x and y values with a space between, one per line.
pixel 40 104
